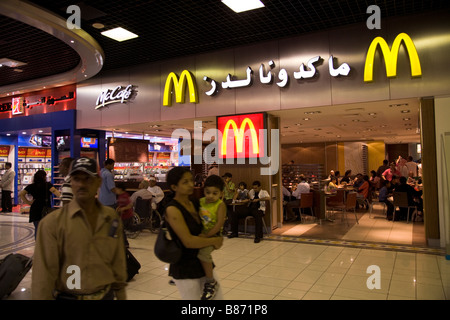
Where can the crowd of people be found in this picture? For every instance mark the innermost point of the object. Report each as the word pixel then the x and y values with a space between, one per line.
pixel 88 230
pixel 401 176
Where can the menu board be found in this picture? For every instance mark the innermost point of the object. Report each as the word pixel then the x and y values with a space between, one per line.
pixel 128 150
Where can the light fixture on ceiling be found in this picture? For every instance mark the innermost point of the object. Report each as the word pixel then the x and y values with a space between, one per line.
pixel 98 25
pixel 241 6
pixel 11 63
pixel 405 111
pixel 119 34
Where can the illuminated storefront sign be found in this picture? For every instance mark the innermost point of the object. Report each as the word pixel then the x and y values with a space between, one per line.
pixel 391 56
pixel 116 95
pixel 241 136
pixel 179 86
pixel 305 71
pixel 17 106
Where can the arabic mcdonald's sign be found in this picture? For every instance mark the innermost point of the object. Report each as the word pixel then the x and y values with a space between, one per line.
pixel 178 85
pixel 240 135
pixel 391 56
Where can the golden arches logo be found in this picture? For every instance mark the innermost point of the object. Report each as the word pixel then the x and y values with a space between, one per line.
pixel 180 88
pixel 391 56
pixel 239 135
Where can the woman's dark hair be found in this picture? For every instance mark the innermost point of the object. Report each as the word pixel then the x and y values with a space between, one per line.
pixel 175 174
pixel 214 181
pixel 242 183
pixel 40 177
pixel 347 173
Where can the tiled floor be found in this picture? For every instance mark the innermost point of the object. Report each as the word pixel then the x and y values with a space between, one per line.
pixel 273 269
pixel 372 227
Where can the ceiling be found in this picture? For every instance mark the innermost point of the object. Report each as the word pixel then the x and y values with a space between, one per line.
pixel 174 28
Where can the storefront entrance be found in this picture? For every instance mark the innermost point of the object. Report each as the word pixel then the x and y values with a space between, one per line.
pixel 357 137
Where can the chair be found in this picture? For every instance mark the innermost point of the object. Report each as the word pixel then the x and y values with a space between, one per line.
pixel 338 199
pixel 306 201
pixel 251 217
pixel 401 201
pixel 375 201
pixel 350 204
pixel 143 207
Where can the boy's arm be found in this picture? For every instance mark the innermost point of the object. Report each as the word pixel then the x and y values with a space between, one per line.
pixel 221 214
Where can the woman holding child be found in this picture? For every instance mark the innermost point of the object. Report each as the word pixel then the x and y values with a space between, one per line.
pixel 184 220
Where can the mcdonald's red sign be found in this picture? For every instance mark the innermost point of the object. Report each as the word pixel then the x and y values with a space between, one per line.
pixel 240 135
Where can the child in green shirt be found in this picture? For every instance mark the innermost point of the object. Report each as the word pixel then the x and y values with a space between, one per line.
pixel 212 213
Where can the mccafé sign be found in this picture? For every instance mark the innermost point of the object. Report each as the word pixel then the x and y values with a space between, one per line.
pixel 186 81
pixel 241 136
pixel 116 95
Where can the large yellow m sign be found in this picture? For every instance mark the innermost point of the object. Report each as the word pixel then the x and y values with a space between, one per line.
pixel 180 88
pixel 391 56
pixel 239 136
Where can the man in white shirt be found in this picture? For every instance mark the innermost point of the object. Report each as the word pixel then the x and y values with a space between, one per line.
pixel 7 185
pixel 142 192
pixel 412 166
pixel 156 191
pixel 257 209
pixel 302 187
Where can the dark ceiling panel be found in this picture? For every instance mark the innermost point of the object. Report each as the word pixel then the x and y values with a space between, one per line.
pixel 173 28
pixel 44 54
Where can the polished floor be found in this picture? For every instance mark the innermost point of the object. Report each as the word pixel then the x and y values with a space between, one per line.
pixel 281 267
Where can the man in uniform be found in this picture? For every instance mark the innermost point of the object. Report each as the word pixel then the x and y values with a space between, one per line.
pixel 80 253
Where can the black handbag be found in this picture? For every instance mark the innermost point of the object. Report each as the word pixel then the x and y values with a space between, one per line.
pixel 168 247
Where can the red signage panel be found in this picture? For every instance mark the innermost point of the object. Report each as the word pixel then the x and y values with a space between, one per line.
pixel 241 135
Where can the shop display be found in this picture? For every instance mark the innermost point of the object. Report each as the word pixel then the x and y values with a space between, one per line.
pixel 31 160
pixel 312 172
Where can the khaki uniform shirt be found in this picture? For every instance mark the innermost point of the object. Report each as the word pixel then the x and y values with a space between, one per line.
pixel 65 238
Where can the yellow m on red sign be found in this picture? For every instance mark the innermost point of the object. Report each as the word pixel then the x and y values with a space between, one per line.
pixel 172 82
pixel 391 56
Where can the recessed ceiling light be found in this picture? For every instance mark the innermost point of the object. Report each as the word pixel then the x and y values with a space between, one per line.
pixel 306 119
pixel 405 111
pixel 312 112
pixel 11 63
pixel 24 132
pixel 241 6
pixel 372 114
pixel 40 131
pixel 119 34
pixel 8 134
pixel 406 119
pixel 98 25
